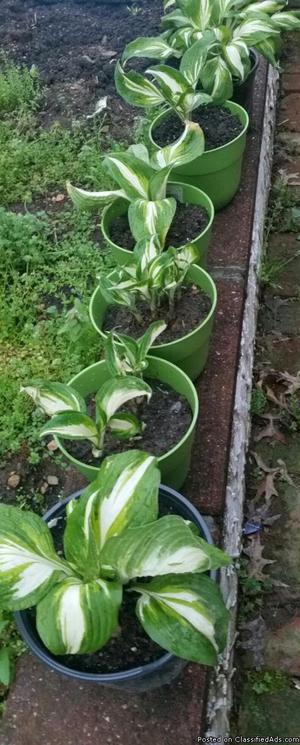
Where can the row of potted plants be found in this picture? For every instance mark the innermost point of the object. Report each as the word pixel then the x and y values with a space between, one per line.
pixel 74 577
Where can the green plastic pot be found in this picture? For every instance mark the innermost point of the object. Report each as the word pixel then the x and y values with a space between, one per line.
pixel 174 465
pixel 184 193
pixel 218 171
pixel 188 352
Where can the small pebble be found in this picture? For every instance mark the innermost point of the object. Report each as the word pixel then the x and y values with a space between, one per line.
pixel 52 480
pixel 13 480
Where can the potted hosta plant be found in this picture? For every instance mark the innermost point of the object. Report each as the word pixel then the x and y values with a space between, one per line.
pixel 218 170
pixel 160 284
pixel 117 578
pixel 108 408
pixel 175 215
pixel 228 37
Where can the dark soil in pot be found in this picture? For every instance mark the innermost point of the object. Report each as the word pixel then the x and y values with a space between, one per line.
pixel 167 417
pixel 191 309
pixel 189 221
pixel 218 124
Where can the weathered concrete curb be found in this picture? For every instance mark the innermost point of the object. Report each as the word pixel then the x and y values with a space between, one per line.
pixel 220 693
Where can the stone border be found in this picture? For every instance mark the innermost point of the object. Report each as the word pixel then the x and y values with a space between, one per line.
pixel 220 692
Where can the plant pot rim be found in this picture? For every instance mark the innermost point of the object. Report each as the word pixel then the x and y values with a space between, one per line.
pixel 169 344
pixel 133 673
pixel 237 109
pixel 211 215
pixel 160 459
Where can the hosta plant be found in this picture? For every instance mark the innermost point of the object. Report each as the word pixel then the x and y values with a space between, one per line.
pixel 152 276
pixel 142 181
pixel 125 355
pixel 220 33
pixel 69 419
pixel 114 543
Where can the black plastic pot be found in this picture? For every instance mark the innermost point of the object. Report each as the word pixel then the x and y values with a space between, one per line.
pixel 243 92
pixel 138 679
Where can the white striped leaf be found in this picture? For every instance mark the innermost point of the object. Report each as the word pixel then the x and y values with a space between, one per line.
pixel 168 3
pixel 217 80
pixel 234 58
pixel 116 392
pixel 125 426
pixel 176 19
pixel 159 181
pixel 139 151
pixel 72 425
pixel 194 58
pixel 131 173
pixel 154 47
pixel 121 354
pixel 189 146
pixel 185 615
pixel 198 12
pixel 115 291
pixel 172 83
pixel 265 6
pixel 184 38
pixel 54 397
pixel 268 50
pixel 78 618
pixel 286 21
pixel 136 89
pixel 148 218
pixel 149 337
pixel 29 565
pixel 89 200
pixel 168 546
pixel 125 493
pixel 145 251
pixel 254 30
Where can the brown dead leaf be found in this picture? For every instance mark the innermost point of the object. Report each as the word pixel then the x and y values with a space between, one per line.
pixel 270 430
pixel 266 488
pixel 254 551
pixel 293 382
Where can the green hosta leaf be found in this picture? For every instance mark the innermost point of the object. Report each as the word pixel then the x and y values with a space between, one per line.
pixel 89 200
pixel 116 392
pixel 148 218
pixel 233 54
pixel 78 618
pixel 188 147
pixel 195 57
pixel 266 6
pixel 168 546
pixel 286 21
pixel 171 82
pixel 131 173
pixel 184 38
pixel 115 291
pixel 147 340
pixel 145 252
pixel 186 256
pixel 136 89
pixel 55 397
pixel 254 30
pixel 175 20
pixel 71 425
pixel 139 151
pixel 158 183
pixel 217 80
pixel 29 564
pixel 125 493
pixel 185 615
pixel 154 47
pixel 124 360
pixel 5 668
pixel 125 426
pixel 268 50
pixel 198 12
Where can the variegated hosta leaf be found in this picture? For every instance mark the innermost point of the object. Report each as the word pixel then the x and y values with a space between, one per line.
pixel 172 83
pixel 121 354
pixel 265 6
pixel 184 38
pixel 89 200
pixel 78 618
pixel 187 255
pixel 148 218
pixel 125 426
pixel 71 425
pixel 168 546
pixel 136 89
pixel 234 57
pixel 149 337
pixel 286 21
pixel 139 151
pixel 154 47
pixel 159 181
pixel 255 30
pixel 116 392
pixel 217 80
pixel 55 397
pixel 131 173
pixel 168 3
pixel 185 615
pixel 125 493
pixel 268 50
pixel 29 565
pixel 198 12
pixel 188 147
pixel 195 57
pixel 175 20
pixel 145 251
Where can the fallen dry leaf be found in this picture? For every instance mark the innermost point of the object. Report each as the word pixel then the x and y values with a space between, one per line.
pixel 266 487
pixel 270 430
pixel 293 382
pixel 254 551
